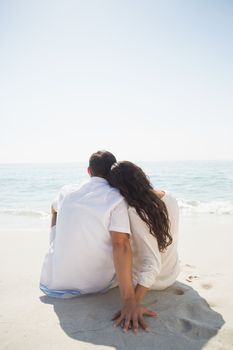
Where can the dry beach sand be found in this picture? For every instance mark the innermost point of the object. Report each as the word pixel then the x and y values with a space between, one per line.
pixel 195 313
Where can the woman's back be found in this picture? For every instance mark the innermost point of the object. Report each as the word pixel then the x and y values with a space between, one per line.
pixel 152 268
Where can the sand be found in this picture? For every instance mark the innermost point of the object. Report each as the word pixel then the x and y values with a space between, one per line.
pixel 195 313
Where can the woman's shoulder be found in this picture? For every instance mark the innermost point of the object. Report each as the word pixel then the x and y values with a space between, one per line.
pixel 167 197
pixel 163 193
pixel 159 193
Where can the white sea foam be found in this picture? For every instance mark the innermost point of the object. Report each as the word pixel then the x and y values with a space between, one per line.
pixel 187 207
pixel 24 212
pixel 212 207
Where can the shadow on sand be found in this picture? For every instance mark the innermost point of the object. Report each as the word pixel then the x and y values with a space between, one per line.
pixel 185 320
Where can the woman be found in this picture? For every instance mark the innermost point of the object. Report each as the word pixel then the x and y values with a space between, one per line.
pixel 154 217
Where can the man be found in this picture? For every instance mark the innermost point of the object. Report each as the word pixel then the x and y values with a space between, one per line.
pixel 90 250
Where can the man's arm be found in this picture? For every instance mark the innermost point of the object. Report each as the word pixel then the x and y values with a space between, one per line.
pixel 131 310
pixel 140 292
pixel 122 256
pixel 53 217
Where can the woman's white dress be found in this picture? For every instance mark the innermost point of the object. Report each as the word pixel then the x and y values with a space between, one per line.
pixel 151 268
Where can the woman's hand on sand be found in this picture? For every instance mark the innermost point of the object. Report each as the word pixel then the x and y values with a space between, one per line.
pixel 132 316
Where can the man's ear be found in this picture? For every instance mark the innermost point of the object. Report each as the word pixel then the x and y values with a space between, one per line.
pixel 89 171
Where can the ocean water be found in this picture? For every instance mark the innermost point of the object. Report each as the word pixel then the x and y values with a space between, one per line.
pixel 26 190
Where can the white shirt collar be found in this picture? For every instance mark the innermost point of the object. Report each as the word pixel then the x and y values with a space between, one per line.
pixel 98 179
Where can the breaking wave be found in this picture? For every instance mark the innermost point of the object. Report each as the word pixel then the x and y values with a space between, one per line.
pixel 186 207
pixel 212 207
pixel 25 212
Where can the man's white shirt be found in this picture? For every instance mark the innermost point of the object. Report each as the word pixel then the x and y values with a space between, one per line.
pixel 80 258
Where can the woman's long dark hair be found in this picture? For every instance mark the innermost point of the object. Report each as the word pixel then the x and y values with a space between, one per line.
pixel 136 188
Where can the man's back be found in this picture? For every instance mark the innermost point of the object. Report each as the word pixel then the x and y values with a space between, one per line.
pixel 80 258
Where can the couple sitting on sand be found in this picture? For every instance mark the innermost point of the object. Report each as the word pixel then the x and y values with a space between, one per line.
pixel 113 230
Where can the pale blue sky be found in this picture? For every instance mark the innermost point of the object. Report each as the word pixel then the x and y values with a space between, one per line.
pixel 147 80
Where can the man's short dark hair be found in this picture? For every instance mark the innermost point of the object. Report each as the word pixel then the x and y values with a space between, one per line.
pixel 101 162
